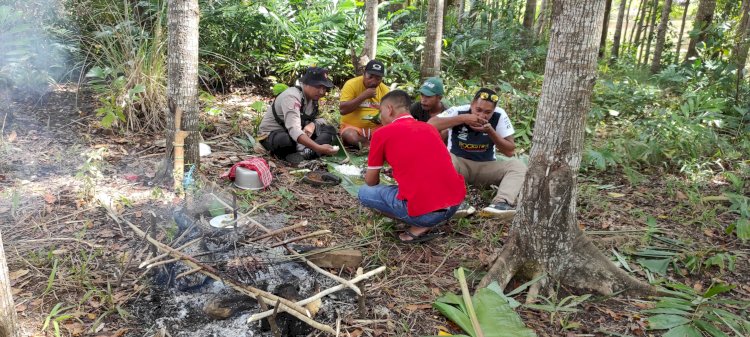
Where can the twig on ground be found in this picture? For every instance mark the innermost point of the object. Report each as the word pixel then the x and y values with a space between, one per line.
pixel 323 293
pixel 257 294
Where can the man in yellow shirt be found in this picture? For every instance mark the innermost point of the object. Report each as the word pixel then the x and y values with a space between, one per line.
pixel 359 104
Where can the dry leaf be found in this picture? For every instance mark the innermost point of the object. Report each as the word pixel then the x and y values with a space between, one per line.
pixel 21 307
pixel 75 328
pixel 18 274
pixel 414 307
pixel 107 233
pixel 615 195
pixel 49 198
pixel 680 196
pixel 12 136
pixel 356 333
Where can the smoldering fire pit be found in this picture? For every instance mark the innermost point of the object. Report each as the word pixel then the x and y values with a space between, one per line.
pixel 209 281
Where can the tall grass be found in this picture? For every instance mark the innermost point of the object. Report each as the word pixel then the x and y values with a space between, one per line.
pixel 123 53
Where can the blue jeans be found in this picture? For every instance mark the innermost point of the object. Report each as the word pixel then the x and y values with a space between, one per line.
pixel 383 198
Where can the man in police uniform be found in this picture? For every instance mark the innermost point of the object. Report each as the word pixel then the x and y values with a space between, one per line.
pixel 474 132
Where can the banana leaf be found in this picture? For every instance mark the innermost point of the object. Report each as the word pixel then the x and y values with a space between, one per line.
pixel 495 315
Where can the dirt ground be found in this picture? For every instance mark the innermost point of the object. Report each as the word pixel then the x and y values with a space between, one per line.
pixel 74 269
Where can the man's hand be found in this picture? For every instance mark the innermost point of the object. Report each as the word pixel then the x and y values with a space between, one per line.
pixel 368 93
pixel 327 149
pixel 486 128
pixel 309 129
pixel 473 121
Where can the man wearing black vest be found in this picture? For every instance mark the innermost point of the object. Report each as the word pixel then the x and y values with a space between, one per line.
pixel 291 128
pixel 474 132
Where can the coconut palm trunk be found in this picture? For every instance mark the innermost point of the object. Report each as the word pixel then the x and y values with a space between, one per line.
pixel 544 237
pixel 661 34
pixel 433 43
pixel 371 33
pixel 182 78
pixel 8 326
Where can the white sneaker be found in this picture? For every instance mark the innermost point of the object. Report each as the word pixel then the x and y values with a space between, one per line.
pixel 500 210
pixel 464 210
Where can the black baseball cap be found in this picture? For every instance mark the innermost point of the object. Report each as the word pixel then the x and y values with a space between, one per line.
pixel 317 76
pixel 375 67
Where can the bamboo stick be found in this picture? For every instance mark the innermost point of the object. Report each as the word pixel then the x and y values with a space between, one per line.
pixel 257 294
pixel 321 294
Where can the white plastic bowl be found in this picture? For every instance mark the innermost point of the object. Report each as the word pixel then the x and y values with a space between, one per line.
pixel 247 179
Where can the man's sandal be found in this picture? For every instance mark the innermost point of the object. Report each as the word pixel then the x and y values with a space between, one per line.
pixel 418 238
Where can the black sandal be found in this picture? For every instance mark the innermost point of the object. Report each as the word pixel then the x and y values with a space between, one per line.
pixel 427 236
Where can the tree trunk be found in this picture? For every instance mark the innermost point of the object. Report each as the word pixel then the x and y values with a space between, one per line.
pixel 529 14
pixel 7 309
pixel 703 20
pixel 543 18
pixel 682 30
pixel 618 31
pixel 661 35
pixel 635 40
pixel 605 28
pixel 433 42
pixel 371 34
pixel 650 34
pixel 545 237
pixel 742 44
pixel 460 14
pixel 182 77
pixel 627 22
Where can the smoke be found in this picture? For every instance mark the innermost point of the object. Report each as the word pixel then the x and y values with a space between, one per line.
pixel 33 52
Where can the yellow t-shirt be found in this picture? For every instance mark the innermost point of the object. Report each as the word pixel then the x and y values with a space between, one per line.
pixel 369 107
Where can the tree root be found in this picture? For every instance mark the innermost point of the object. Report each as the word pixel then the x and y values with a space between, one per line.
pixel 585 268
pixel 504 267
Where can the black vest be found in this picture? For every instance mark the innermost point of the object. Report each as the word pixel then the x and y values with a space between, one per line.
pixel 473 145
pixel 304 118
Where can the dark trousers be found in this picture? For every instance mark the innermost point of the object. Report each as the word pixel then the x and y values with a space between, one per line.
pixel 280 144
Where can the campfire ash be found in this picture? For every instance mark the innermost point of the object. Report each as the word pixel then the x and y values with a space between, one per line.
pixel 189 301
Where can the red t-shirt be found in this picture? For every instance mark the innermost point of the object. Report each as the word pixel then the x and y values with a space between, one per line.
pixel 421 165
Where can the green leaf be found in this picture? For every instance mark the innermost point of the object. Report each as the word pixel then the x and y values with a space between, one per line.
pixel 494 314
pixel 655 266
pixel 137 89
pixel 742 226
pixel 710 328
pixel 456 316
pixel 686 330
pixel 496 317
pixel 717 288
pixel 665 321
pixel 671 311
pixel 494 286
pixel 278 88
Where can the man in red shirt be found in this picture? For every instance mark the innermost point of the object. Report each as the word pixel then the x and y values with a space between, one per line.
pixel 423 198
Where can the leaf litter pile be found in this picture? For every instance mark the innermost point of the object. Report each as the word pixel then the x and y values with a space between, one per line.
pixel 76 271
